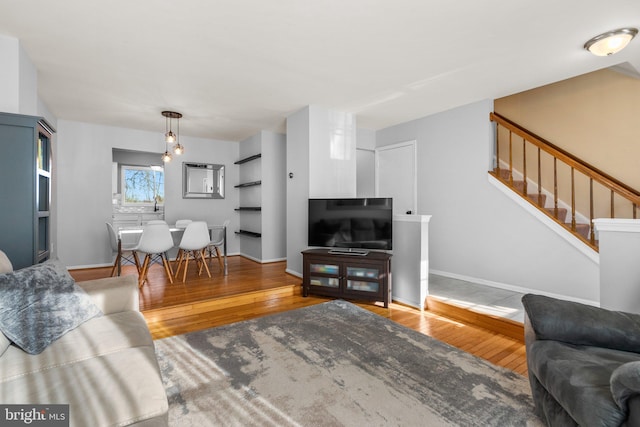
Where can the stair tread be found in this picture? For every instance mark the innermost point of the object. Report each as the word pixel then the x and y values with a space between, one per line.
pixel 540 199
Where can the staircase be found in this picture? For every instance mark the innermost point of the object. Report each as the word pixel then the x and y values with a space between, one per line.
pixel 557 175
pixel 540 201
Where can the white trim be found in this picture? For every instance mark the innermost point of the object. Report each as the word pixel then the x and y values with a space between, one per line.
pixel 542 217
pixel 624 225
pixel 412 218
pixel 409 303
pixel 262 261
pixel 269 261
pixel 293 273
pixel 80 267
pixel 513 288
pixel 412 143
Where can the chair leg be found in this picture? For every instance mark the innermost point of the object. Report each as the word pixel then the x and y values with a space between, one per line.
pixel 204 262
pixel 186 266
pixel 220 261
pixel 143 273
pixel 167 267
pixel 178 261
pixel 137 261
pixel 115 265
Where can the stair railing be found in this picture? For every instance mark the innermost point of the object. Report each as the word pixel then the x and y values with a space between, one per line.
pixel 620 196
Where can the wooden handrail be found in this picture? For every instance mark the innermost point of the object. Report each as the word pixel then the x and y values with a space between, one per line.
pixel 574 162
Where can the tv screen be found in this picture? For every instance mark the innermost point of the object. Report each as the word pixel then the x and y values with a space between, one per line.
pixel 351 223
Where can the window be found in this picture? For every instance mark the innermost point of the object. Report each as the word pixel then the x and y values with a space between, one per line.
pixel 142 185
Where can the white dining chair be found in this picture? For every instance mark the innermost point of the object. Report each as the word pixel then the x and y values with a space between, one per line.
pixel 217 241
pixel 192 246
pixel 155 242
pixel 124 254
pixel 181 224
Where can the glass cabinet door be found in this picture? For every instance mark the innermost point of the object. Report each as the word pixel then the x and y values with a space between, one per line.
pixel 323 273
pixel 363 279
pixel 43 194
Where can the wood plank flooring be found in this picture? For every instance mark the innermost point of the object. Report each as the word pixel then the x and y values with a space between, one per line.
pixel 252 289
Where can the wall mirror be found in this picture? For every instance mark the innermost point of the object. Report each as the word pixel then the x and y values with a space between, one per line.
pixel 202 181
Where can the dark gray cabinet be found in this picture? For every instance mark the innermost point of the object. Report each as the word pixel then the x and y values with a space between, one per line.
pixel 347 276
pixel 25 192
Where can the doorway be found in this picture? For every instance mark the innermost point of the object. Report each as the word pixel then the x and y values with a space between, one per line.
pixel 396 176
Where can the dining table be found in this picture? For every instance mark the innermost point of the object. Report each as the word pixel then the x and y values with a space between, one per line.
pixel 132 232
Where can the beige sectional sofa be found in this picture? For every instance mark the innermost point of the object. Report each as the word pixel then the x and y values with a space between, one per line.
pixel 105 369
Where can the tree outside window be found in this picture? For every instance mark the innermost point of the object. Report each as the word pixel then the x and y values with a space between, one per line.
pixel 142 185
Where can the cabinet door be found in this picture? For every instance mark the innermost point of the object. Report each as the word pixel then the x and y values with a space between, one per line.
pixel 43 192
pixel 324 274
pixel 363 278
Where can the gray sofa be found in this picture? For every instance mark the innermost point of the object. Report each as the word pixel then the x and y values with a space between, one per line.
pixel 105 369
pixel 583 363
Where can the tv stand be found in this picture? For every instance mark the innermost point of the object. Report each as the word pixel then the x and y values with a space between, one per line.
pixel 349 251
pixel 341 275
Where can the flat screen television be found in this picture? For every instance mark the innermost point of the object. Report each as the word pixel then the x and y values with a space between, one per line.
pixel 351 225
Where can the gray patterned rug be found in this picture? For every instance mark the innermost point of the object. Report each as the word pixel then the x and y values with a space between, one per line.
pixel 329 365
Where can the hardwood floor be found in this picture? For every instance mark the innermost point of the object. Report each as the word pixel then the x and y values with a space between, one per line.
pixel 252 289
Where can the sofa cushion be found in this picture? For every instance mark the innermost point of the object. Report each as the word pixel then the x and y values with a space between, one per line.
pixel 5 264
pixel 105 369
pixel 4 343
pixel 578 378
pixel 5 267
pixel 580 324
pixel 96 337
pixel 41 303
pixel 113 389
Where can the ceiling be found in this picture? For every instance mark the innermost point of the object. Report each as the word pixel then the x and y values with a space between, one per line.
pixel 235 67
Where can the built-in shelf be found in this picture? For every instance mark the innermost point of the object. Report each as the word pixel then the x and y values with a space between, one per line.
pixel 248 184
pixel 248 233
pixel 249 208
pixel 247 159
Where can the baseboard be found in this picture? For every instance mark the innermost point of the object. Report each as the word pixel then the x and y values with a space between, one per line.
pixel 293 273
pixel 412 304
pixel 87 266
pixel 513 288
pixel 262 261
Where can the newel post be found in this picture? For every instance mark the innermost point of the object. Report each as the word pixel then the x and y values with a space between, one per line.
pixel 619 246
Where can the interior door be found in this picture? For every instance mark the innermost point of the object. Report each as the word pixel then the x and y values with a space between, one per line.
pixel 396 176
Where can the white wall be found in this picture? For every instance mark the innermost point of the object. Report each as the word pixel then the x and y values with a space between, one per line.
pixel 83 164
pixel 274 218
pixel 332 153
pixel 9 75
pixel 476 232
pixel 28 97
pixel 18 79
pixel 297 188
pixel 365 163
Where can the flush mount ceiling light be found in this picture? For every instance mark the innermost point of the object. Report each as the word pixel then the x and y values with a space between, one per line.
pixel 610 42
pixel 170 137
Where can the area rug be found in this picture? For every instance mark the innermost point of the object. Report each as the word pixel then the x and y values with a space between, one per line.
pixel 334 364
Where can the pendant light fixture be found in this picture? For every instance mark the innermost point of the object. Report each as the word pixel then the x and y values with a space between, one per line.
pixel 610 42
pixel 170 137
pixel 178 149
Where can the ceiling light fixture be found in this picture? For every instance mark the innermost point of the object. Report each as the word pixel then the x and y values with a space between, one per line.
pixel 170 137
pixel 610 42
